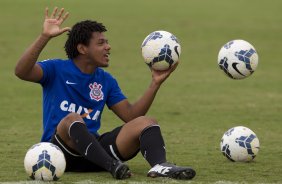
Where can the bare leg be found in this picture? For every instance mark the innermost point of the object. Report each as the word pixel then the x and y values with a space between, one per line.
pixel 74 133
pixel 64 126
pixel 128 141
pixel 142 134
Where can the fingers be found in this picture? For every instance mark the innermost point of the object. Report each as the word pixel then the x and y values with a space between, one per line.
pixel 54 13
pixel 174 67
pixel 60 13
pixel 60 17
pixel 64 17
pixel 46 12
pixel 65 29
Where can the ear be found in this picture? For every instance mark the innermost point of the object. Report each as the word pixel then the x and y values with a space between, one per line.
pixel 82 49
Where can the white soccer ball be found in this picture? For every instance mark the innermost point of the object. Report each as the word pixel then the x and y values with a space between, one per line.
pixel 160 50
pixel 45 161
pixel 238 59
pixel 239 144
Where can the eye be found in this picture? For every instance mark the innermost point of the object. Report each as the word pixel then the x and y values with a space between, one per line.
pixel 101 42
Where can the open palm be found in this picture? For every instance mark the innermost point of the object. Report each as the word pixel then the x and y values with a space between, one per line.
pixel 51 26
pixel 160 76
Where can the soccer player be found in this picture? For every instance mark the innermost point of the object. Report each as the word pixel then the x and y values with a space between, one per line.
pixel 75 92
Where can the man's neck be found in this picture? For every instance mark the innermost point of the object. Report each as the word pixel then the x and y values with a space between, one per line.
pixel 85 66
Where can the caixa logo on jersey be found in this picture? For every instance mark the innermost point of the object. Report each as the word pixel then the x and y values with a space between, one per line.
pixel 96 92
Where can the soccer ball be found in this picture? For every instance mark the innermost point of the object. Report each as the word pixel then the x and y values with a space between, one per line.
pixel 44 161
pixel 238 59
pixel 160 50
pixel 239 144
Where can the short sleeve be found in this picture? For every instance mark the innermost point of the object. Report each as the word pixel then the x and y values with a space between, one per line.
pixel 115 93
pixel 48 67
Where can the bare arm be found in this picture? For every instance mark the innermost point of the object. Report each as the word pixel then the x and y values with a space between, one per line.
pixel 26 68
pixel 127 111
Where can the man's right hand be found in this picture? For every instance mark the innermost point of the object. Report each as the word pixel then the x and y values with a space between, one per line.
pixel 52 23
pixel 26 68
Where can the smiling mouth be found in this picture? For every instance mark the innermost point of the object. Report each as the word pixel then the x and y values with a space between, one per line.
pixel 107 55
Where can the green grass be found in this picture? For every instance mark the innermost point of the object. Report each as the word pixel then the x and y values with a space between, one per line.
pixel 195 106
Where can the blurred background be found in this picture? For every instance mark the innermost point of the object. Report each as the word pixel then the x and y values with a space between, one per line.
pixel 194 107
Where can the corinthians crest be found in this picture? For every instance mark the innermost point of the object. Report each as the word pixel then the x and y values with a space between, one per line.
pixel 96 92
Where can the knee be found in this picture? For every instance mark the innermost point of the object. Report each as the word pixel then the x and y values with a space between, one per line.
pixel 66 122
pixel 71 117
pixel 147 121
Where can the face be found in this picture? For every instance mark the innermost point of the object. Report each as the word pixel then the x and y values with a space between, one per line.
pixel 99 50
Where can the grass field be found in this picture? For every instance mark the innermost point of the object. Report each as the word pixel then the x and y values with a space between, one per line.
pixel 195 106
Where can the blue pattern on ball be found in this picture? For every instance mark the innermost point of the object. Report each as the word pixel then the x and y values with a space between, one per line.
pixel 165 54
pixel 244 55
pixel 44 160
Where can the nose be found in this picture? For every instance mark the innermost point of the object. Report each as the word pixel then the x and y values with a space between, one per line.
pixel 108 47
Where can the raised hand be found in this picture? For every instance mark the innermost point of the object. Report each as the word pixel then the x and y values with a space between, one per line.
pixel 52 23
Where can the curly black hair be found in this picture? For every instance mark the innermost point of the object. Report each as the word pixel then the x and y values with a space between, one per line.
pixel 81 33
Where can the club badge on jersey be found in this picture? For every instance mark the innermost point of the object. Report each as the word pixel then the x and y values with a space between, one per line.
pixel 96 92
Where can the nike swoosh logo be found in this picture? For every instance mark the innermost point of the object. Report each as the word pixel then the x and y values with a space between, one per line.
pixel 176 50
pixel 68 82
pixel 234 65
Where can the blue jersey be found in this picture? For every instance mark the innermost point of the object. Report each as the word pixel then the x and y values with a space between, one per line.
pixel 66 89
